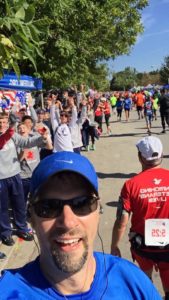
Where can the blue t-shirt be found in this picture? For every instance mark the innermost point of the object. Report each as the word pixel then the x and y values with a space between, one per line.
pixel 115 278
pixel 127 104
pixel 119 104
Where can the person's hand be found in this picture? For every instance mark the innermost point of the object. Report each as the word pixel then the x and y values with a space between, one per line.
pixel 54 98
pixel 71 102
pixel 42 131
pixel 44 134
pixel 115 251
pixel 84 102
pixel 58 104
pixel 12 120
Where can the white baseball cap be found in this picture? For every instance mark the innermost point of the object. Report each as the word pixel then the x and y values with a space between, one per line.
pixel 150 148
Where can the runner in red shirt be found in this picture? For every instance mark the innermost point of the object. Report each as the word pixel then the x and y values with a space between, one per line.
pixel 107 114
pixel 146 198
pixel 99 116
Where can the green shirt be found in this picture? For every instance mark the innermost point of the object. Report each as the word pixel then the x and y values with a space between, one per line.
pixel 113 101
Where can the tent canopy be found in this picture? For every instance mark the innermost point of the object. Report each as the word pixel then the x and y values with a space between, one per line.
pixel 166 86
pixel 25 83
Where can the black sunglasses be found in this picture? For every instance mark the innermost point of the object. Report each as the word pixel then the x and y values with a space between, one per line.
pixel 64 115
pixel 52 208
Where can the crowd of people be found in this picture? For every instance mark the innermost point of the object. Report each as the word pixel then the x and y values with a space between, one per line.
pixel 59 129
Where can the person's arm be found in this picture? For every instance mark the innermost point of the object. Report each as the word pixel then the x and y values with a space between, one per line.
pixel 118 232
pixel 74 118
pixel 54 116
pixel 122 218
pixel 83 114
pixel 5 137
pixel 58 104
pixel 29 142
pixel 48 142
pixel 32 110
pixel 130 103
pixel 21 154
pixel 33 114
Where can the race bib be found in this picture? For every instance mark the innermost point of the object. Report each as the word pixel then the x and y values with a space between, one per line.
pixel 157 232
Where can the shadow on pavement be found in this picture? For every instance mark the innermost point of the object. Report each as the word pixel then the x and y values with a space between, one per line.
pixel 123 121
pixel 122 134
pixel 153 127
pixel 115 175
pixel 112 203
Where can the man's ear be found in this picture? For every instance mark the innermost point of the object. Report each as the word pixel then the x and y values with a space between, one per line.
pixel 30 216
pixel 139 157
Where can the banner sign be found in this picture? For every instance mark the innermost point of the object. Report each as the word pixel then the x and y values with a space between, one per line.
pixel 25 83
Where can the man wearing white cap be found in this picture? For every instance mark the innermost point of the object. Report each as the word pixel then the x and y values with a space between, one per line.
pixel 146 198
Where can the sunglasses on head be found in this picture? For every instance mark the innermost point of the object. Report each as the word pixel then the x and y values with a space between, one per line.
pixel 52 208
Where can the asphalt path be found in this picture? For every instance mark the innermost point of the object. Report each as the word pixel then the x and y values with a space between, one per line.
pixel 115 160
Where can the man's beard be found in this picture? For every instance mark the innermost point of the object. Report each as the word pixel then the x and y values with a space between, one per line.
pixel 68 262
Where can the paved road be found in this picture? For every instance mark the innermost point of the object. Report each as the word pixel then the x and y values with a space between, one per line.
pixel 115 160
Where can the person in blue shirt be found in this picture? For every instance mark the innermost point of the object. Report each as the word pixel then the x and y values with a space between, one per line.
pixel 148 113
pixel 127 106
pixel 119 107
pixel 64 212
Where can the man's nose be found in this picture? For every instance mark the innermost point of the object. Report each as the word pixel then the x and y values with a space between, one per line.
pixel 67 218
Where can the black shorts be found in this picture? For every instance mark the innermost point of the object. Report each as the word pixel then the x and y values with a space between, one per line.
pixel 139 108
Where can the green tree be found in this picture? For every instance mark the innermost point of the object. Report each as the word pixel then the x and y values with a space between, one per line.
pixel 130 77
pixel 19 34
pixel 82 33
pixel 125 79
pixel 164 71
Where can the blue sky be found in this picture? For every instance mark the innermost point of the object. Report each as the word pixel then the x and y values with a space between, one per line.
pixel 153 45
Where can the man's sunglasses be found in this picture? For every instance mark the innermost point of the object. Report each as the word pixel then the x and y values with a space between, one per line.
pixel 52 208
pixel 64 115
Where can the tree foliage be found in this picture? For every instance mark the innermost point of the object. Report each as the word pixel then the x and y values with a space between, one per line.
pixel 164 71
pixel 124 80
pixel 82 33
pixel 19 34
pixel 130 77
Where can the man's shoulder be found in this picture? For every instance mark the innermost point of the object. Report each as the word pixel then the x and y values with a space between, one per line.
pixel 12 287
pixel 127 275
pixel 117 264
pixel 148 175
pixel 23 283
pixel 20 272
pixel 123 270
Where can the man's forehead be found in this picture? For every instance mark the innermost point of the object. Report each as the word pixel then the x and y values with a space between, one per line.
pixel 4 118
pixel 66 176
pixel 61 182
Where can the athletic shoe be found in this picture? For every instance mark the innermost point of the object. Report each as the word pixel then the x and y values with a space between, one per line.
pixel 26 236
pixel 2 256
pixel 87 148
pixel 8 240
pixel 92 147
pixel 163 131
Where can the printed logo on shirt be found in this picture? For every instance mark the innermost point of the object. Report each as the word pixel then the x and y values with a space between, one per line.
pixel 156 194
pixel 30 155
pixel 156 181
